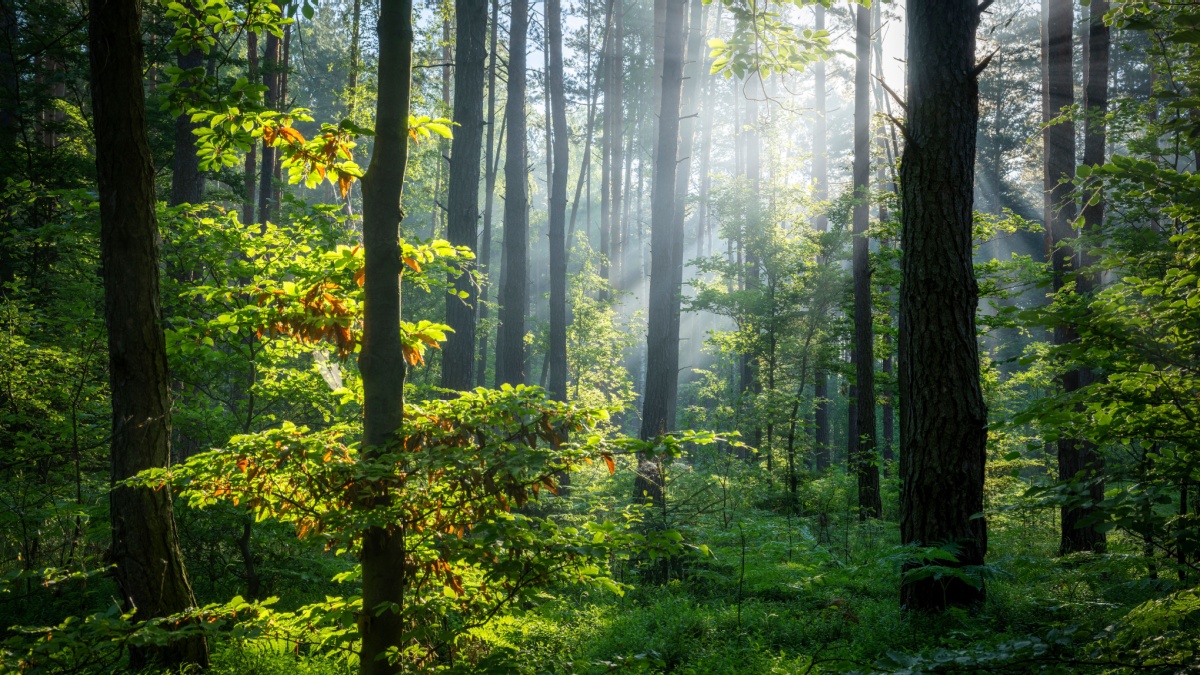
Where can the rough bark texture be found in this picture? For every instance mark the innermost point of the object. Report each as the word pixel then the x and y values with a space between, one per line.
pixel 662 354
pixel 558 206
pixel 489 194
pixel 145 544
pixel 514 296
pixel 863 461
pixel 943 419
pixel 821 178
pixel 458 361
pixel 187 181
pixel 381 361
pixel 251 166
pixel 1086 459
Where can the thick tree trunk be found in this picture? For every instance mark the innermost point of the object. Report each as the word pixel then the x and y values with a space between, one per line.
pixel 558 206
pixel 145 544
pixel 865 466
pixel 463 195
pixel 821 178
pixel 490 166
pixel 384 577
pixel 662 354
pixel 187 181
pixel 1084 460
pixel 943 419
pixel 514 296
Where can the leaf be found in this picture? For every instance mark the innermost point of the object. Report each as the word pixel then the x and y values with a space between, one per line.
pixel 360 276
pixel 612 466
pixel 413 264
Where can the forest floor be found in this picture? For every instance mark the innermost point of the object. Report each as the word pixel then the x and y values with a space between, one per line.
pixel 779 594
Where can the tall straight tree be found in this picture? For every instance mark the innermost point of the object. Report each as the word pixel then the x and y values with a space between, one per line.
pixel 384 572
pixel 863 442
pixel 187 181
pixel 1085 461
pixel 514 297
pixel 250 167
pixel 490 168
pixel 145 544
pixel 471 19
pixel 662 353
pixel 270 78
pixel 821 180
pixel 943 419
pixel 614 106
pixel 689 112
pixel 558 206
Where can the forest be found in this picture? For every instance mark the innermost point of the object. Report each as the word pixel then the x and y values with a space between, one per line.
pixel 599 336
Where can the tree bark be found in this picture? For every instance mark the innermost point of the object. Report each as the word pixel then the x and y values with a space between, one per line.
pixel 187 181
pixel 615 175
pixel 270 78
pixel 1085 461
pixel 250 168
pixel 471 17
pixel 514 297
pixel 821 222
pixel 491 166
pixel 662 354
pixel 384 567
pixel 943 419
pixel 558 206
pixel 145 544
pixel 863 460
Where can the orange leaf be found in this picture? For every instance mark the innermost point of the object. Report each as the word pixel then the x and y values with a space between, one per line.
pixel 412 356
pixel 344 181
pixel 612 466
pixel 413 264
pixel 291 135
pixel 360 277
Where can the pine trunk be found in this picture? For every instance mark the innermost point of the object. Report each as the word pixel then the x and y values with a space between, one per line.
pixel 943 419
pixel 558 207
pixel 145 543
pixel 514 296
pixel 471 17
pixel 821 222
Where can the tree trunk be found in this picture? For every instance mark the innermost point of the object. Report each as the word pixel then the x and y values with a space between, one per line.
pixel 943 419
pixel 863 461
pixel 821 222
pixel 145 544
pixel 187 181
pixel 1085 461
pixel 491 166
pixel 463 194
pixel 381 361
pixel 514 296
pixel 250 169
pixel 662 354
pixel 558 206
pixel 270 78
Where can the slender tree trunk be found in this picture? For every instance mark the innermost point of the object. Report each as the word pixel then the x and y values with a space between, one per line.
pixel 662 354
pixel 821 222
pixel 558 207
pixel 270 78
pixel 514 298
pixel 888 413
pixel 943 419
pixel 145 544
pixel 865 466
pixel 285 64
pixel 250 168
pixel 491 166
pixel 1086 462
pixel 462 205
pixel 355 58
pixel 383 557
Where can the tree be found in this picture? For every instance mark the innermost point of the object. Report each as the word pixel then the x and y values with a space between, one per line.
pixel 187 181
pixel 381 361
pixel 863 441
pixel 458 363
pixel 662 353
pixel 270 78
pixel 558 206
pixel 821 178
pixel 145 543
pixel 514 297
pixel 943 419
pixel 490 168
